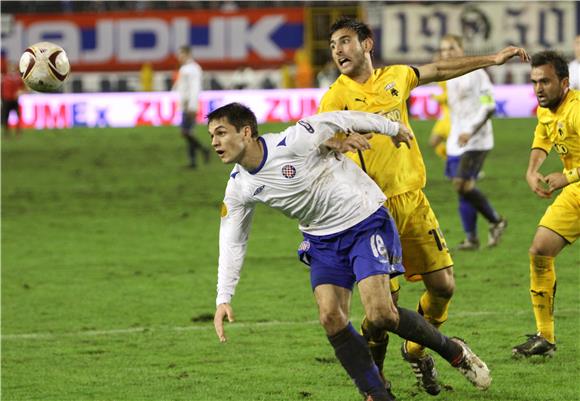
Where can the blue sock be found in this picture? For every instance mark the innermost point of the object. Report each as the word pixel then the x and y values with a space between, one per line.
pixel 468 216
pixel 352 351
pixel 480 202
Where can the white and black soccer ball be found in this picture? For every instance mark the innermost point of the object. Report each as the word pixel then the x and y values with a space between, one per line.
pixel 44 67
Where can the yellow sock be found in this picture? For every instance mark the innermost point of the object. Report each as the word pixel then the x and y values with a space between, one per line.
pixel 543 291
pixel 377 341
pixel 434 309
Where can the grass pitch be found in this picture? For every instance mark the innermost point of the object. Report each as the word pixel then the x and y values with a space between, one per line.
pixel 109 253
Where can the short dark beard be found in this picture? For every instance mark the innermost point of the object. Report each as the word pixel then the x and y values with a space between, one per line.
pixel 552 105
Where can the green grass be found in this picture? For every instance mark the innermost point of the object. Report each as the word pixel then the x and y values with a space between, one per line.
pixel 109 252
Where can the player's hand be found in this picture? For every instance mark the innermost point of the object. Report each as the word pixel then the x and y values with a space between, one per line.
pixel 538 185
pixel 356 141
pixel 353 142
pixel 403 136
pixel 511 51
pixel 463 139
pixel 222 311
pixel 556 181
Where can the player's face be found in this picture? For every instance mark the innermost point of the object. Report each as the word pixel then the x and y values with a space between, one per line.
pixel 449 49
pixel 549 89
pixel 347 52
pixel 577 47
pixel 182 57
pixel 228 143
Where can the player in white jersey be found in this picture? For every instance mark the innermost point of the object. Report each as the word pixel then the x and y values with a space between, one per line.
pixel 471 105
pixel 188 86
pixel 574 66
pixel 348 235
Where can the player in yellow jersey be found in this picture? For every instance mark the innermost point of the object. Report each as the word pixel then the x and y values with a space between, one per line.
pixel 559 128
pixel 440 130
pixel 400 172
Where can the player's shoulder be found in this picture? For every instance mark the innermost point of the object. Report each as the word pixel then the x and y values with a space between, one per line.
pixel 393 70
pixel 573 103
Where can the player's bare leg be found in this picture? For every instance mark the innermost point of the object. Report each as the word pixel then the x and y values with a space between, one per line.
pixel 350 347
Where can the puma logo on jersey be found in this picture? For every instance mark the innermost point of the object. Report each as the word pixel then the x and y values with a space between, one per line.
pixel 364 100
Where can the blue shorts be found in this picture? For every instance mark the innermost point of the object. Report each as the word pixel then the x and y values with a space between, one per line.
pixel 369 248
pixel 466 166
pixel 187 122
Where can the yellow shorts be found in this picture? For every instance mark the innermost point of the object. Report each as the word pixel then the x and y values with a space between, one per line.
pixel 563 215
pixel 424 248
pixel 442 127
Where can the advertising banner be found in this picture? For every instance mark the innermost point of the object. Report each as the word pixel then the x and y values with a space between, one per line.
pixel 411 32
pixel 43 111
pixel 123 41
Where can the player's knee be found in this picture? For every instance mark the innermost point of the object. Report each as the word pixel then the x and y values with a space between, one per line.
pixel 459 186
pixel 384 318
pixel 333 321
pixel 444 291
pixel 539 249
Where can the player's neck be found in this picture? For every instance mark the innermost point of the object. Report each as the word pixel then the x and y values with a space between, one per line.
pixel 363 74
pixel 253 155
pixel 562 99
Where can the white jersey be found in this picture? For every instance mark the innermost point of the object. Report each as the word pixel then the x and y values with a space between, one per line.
pixel 327 192
pixel 188 85
pixel 574 70
pixel 470 99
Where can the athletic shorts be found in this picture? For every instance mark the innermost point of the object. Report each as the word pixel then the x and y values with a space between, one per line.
pixel 369 248
pixel 563 215
pixel 187 121
pixel 424 247
pixel 466 166
pixel 442 127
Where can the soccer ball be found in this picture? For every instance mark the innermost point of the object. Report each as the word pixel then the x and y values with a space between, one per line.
pixel 44 67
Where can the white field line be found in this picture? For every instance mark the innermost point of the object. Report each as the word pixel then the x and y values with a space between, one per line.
pixel 237 325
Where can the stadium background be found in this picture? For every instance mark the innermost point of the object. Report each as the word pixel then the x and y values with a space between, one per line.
pixel 130 47
pixel 109 246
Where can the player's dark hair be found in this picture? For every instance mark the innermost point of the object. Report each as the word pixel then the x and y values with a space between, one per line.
pixel 362 30
pixel 238 115
pixel 555 59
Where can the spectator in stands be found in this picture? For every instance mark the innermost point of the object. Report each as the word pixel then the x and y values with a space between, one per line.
pixel 146 77
pixel 574 66
pixel 304 73
pixel 12 87
pixel 243 78
pixel 188 84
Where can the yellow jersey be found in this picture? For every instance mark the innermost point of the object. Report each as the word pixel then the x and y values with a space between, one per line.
pixel 442 99
pixel 395 170
pixel 561 130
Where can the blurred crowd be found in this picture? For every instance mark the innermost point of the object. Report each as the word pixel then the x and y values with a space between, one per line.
pixel 140 5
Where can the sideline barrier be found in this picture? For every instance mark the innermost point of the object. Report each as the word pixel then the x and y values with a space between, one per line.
pixel 130 109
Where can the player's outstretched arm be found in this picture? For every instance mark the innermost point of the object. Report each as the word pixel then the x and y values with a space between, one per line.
pixel 222 311
pixel 443 70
